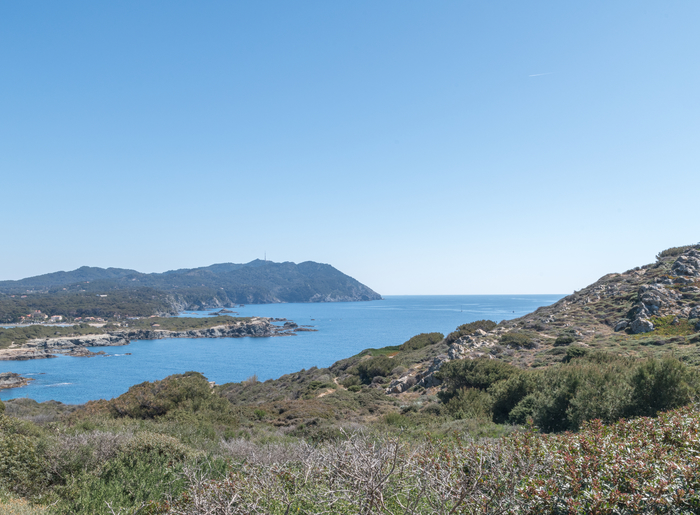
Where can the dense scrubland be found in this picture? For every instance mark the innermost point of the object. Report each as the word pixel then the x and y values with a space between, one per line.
pixel 492 441
pixel 142 302
pixel 556 412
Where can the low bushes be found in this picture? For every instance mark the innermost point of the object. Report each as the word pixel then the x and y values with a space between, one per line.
pixel 518 340
pixel 370 368
pixel 154 464
pixel 146 468
pixel 470 328
pixel 564 340
pixel 675 251
pixel 641 466
pixel 574 352
pixel 644 466
pixel 563 397
pixel 421 340
pixel 20 460
pixel 472 373
pixel 79 473
pixel 184 393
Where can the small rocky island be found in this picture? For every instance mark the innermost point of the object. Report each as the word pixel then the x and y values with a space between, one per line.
pixel 12 380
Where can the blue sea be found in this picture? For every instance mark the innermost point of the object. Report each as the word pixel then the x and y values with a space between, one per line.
pixel 344 329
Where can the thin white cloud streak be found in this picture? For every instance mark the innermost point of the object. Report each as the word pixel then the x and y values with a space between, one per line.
pixel 540 74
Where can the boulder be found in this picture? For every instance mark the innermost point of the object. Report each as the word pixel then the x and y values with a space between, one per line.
pixel 622 324
pixel 401 385
pixel 641 325
pixel 427 378
pixel 652 300
pixel 695 312
pixel 683 280
pixel 456 351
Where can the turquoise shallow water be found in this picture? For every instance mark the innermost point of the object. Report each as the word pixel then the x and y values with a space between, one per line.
pixel 344 329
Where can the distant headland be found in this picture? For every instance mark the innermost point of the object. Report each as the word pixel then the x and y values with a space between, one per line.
pixel 116 293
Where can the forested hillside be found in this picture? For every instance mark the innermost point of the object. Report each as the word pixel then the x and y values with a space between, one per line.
pixel 116 292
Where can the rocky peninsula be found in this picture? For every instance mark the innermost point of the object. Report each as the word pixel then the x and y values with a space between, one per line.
pixel 78 346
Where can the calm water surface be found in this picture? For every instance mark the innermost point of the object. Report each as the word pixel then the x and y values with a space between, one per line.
pixel 344 329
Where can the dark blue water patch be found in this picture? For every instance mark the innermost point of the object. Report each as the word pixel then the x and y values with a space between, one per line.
pixel 344 329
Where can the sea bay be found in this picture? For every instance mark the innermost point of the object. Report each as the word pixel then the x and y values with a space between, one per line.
pixel 343 329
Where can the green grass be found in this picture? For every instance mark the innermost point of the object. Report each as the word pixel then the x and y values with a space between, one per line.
pixel 664 326
pixel 20 335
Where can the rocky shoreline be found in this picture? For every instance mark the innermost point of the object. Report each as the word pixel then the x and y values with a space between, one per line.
pixel 78 345
pixel 12 380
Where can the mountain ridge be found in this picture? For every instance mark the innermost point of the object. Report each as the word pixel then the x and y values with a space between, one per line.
pixel 217 285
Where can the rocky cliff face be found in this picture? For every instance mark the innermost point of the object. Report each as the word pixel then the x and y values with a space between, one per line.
pixel 78 346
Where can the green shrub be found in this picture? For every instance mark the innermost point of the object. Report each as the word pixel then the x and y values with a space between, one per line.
pixel 564 340
pixel 470 328
pixel 470 403
pixel 478 373
pixel 506 395
pixel 660 385
pixel 574 352
pixel 20 460
pixel 523 412
pixel 351 380
pixel 592 386
pixel 518 340
pixel 395 419
pixel 421 340
pixel 147 471
pixel 152 444
pixel 186 393
pixel 675 251
pixel 375 366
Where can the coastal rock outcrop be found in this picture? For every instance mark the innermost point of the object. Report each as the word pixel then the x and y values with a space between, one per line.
pixel 652 299
pixel 64 343
pixel 427 378
pixel 622 324
pixel 641 325
pixel 12 380
pixel 687 264
pixel 401 384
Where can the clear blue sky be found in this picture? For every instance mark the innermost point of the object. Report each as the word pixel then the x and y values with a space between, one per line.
pixel 452 147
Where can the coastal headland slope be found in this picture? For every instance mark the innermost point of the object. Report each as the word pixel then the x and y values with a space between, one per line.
pixel 609 373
